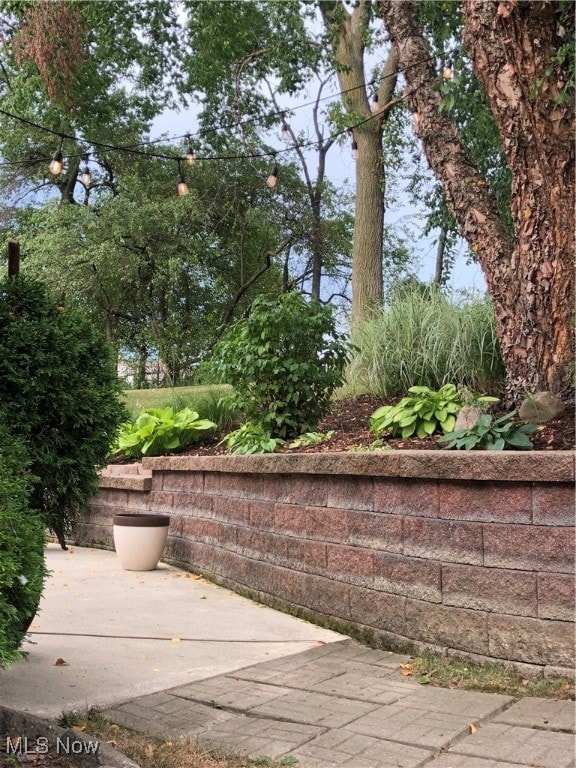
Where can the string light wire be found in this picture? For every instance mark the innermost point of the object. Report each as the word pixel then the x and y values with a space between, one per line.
pixel 133 149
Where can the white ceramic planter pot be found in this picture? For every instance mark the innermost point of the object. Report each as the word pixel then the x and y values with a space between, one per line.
pixel 139 540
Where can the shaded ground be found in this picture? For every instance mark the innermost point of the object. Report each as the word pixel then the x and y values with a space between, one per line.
pixel 350 419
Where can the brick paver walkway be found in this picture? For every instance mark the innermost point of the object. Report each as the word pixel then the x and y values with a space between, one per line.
pixel 345 705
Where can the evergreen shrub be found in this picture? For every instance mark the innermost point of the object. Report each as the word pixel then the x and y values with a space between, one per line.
pixel 22 536
pixel 59 393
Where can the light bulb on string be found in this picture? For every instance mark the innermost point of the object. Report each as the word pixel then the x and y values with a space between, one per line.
pixel 416 120
pixel 355 153
pixel 285 132
pixel 86 177
pixel 272 180
pixel 448 71
pixel 190 154
pixel 57 163
pixel 181 181
pixel 374 106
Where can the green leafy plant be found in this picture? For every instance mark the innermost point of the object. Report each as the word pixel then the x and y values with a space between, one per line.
pixel 375 445
pixel 60 394
pixel 311 438
pixel 22 537
pixel 251 438
pixel 159 430
pixel 425 411
pixel 491 434
pixel 421 413
pixel 284 361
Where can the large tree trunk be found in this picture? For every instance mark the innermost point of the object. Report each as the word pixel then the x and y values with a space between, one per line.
pixel 511 45
pixel 348 34
pixel 530 277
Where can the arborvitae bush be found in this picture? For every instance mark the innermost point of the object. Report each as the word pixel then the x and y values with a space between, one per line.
pixel 59 392
pixel 21 548
pixel 284 361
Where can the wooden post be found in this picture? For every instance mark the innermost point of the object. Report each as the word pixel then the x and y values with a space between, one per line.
pixel 13 258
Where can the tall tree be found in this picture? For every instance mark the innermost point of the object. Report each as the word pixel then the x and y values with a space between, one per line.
pixel 523 55
pixel 257 47
pixel 348 33
pixel 280 40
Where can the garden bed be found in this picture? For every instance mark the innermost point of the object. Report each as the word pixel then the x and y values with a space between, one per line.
pixel 350 420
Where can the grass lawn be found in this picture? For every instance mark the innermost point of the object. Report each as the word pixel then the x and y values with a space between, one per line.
pixel 139 399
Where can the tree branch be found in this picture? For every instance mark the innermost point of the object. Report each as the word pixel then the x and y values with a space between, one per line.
pixel 468 195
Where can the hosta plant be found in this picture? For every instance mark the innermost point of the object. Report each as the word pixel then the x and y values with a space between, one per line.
pixel 423 412
pixel 309 439
pixel 491 434
pixel 159 430
pixel 251 438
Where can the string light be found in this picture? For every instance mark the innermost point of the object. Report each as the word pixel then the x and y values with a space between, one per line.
pixel 86 177
pixel 272 179
pixel 355 153
pixel 57 164
pixel 416 120
pixel 374 104
pixel 190 154
pixel 285 132
pixel 181 181
pixel 448 71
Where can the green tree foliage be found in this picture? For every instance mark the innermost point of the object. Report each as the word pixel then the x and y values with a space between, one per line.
pixel 160 272
pixel 284 361
pixel 59 393
pixel 101 70
pixel 22 536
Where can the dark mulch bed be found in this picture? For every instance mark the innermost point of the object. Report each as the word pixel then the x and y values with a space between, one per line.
pixel 350 420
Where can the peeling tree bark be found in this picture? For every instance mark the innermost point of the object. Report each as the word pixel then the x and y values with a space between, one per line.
pixel 530 277
pixel 511 45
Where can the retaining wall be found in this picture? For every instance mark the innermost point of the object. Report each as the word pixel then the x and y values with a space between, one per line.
pixel 470 553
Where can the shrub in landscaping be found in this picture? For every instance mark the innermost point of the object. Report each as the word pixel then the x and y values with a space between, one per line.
pixel 424 411
pixel 251 438
pixel 60 393
pixel 212 403
pixel 284 361
pixel 490 434
pixel 425 338
pixel 157 431
pixel 21 548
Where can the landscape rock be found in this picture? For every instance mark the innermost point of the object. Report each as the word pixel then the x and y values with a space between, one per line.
pixel 467 417
pixel 541 407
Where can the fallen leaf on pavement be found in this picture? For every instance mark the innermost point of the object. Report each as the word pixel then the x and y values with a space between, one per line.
pixel 61 663
pixel 473 728
pixel 175 640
